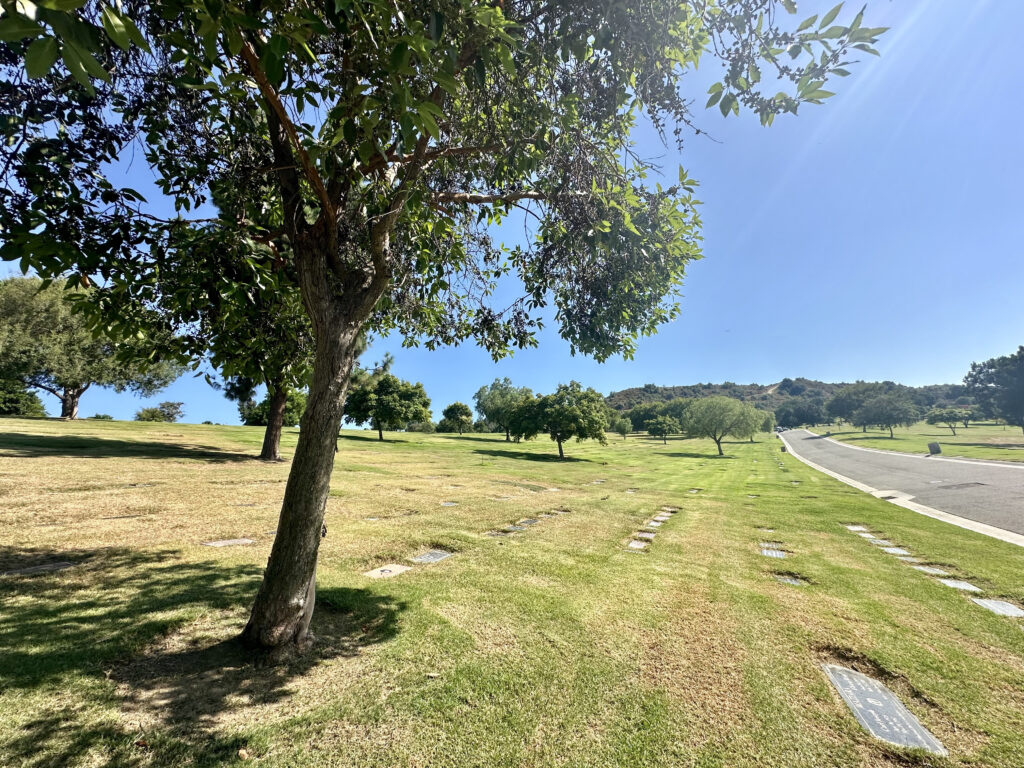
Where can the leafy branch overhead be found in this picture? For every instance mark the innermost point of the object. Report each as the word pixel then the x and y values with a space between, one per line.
pixel 416 126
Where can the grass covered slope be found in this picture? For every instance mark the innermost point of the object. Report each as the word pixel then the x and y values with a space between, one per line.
pixel 553 647
pixel 979 441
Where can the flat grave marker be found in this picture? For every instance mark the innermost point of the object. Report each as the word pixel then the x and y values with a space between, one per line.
pixel 879 711
pixel 498 533
pixel 663 518
pixel 856 528
pixel 654 524
pixel 906 559
pixel 387 571
pixel 696 490
pixel 670 510
pixel 895 551
pixel 449 503
pixel 431 556
pixel 528 521
pixel 770 544
pixel 635 544
pixel 778 554
pixel 515 528
pixel 866 535
pixel 649 535
pixel 881 542
pixel 1001 607
pixel 43 568
pixel 631 490
pixel 228 542
pixel 931 571
pixel 791 580
pixel 966 586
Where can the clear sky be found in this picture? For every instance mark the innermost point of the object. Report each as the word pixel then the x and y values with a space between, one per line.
pixel 875 237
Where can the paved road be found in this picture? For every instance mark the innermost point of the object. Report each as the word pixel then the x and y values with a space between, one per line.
pixel 986 492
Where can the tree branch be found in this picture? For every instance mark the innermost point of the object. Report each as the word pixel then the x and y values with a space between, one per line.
pixel 474 198
pixel 270 94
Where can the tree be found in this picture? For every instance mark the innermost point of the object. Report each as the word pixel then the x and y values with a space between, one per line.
pixel 886 411
pixel 16 400
pixel 260 414
pixel 998 386
pixel 387 403
pixel 844 403
pixel 716 418
pixel 622 426
pixel 166 411
pixel 571 412
pixel 459 416
pixel 948 416
pixel 496 402
pixel 525 418
pixel 640 414
pixel 968 413
pixel 387 139
pixel 799 410
pixel 45 344
pixel 663 426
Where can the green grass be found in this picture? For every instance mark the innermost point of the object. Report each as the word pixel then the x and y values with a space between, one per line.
pixel 553 647
pixel 979 441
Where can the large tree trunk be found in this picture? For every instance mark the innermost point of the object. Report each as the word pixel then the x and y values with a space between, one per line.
pixel 561 453
pixel 507 437
pixel 284 603
pixel 718 442
pixel 69 401
pixel 275 422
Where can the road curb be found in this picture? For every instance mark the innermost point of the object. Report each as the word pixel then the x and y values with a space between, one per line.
pixel 902 499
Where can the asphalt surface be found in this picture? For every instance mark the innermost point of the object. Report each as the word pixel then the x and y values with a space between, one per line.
pixel 987 492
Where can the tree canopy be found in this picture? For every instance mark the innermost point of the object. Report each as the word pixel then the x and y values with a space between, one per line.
pixel 886 411
pixel 167 411
pixel 387 402
pixel 457 417
pixel 569 412
pixel 663 426
pixel 497 402
pixel 998 386
pixel 719 417
pixel 947 416
pixel 46 344
pixel 377 145
pixel 258 414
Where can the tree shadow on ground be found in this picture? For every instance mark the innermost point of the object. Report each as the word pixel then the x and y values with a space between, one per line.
pixel 690 455
pixel 497 437
pixel 508 454
pixel 27 446
pixel 163 631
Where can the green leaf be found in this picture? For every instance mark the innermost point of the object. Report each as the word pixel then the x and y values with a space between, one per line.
pixel 116 29
pixel 814 95
pixel 717 87
pixel 436 26
pixel 807 23
pixel 16 27
pixel 428 123
pixel 77 69
pixel 833 32
pixel 789 5
pixel 829 17
pixel 715 97
pixel 41 56
pixel 728 104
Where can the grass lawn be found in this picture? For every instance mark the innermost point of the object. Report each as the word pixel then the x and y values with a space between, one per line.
pixel 979 441
pixel 555 646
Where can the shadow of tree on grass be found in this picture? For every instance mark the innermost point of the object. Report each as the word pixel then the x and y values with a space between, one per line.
pixel 509 454
pixel 163 631
pixel 26 446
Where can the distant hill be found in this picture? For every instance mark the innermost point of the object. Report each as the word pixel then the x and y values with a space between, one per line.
pixel 769 396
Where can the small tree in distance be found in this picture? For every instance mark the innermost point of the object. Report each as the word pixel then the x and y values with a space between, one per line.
pixel 998 386
pixel 717 418
pixel 948 416
pixel 387 403
pixel 458 417
pixel 571 412
pixel 663 426
pixel 622 426
pixel 886 411
pixel 166 411
pixel 497 401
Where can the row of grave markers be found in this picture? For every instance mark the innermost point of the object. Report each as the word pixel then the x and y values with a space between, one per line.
pixel 878 710
pixel 1000 607
pixel 641 540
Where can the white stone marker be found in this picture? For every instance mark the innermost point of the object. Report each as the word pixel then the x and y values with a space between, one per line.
pixel 778 554
pixel 895 551
pixel 856 528
pixel 634 544
pixel 930 570
pixel 654 524
pixel 387 571
pixel 1001 607
pixel 966 586
pixel 227 543
pixel 649 535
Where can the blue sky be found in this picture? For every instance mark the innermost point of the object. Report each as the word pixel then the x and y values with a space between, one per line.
pixel 874 237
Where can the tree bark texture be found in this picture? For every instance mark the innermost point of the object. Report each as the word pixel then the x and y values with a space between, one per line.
pixel 69 401
pixel 283 608
pixel 275 423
